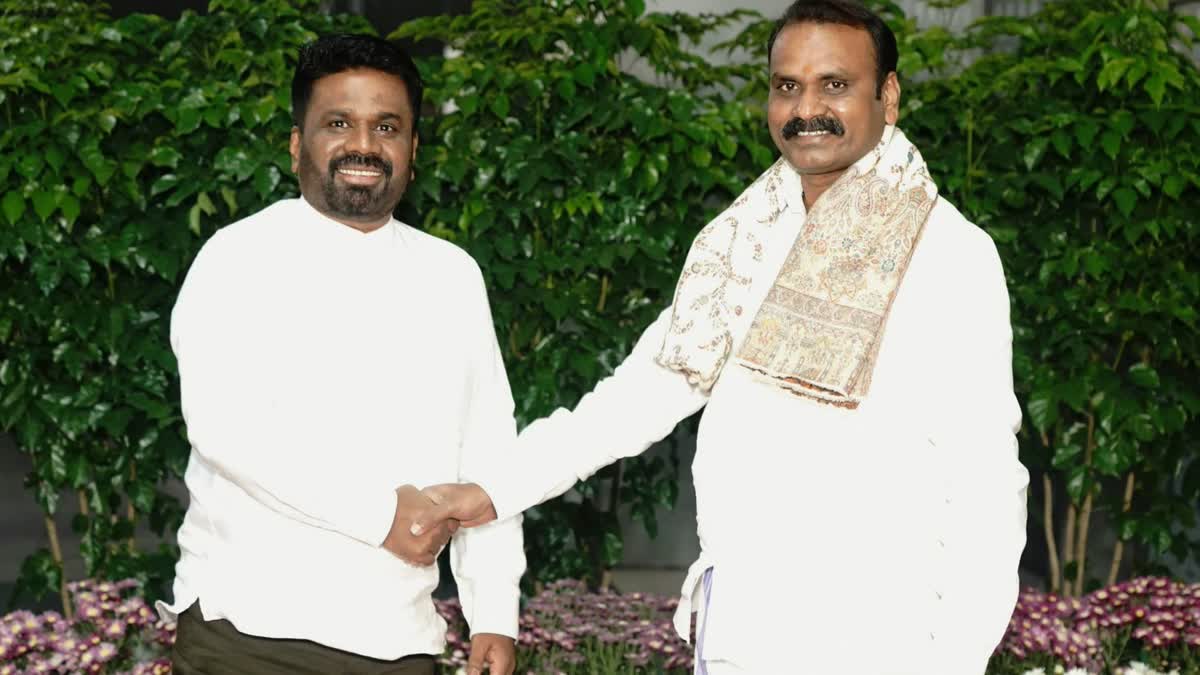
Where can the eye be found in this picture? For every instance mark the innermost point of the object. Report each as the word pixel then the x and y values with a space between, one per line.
pixel 386 128
pixel 339 124
pixel 835 85
pixel 787 86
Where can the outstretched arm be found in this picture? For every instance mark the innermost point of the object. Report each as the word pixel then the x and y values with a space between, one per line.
pixel 627 412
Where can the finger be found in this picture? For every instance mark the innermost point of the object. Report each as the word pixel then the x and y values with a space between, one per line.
pixel 436 493
pixel 430 518
pixel 502 662
pixel 477 662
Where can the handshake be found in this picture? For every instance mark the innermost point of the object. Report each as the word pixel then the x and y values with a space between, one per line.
pixel 426 519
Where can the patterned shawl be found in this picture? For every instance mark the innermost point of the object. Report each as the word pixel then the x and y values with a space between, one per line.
pixel 818 331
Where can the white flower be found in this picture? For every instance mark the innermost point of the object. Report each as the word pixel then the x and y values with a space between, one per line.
pixel 1035 671
pixel 1078 671
pixel 1139 668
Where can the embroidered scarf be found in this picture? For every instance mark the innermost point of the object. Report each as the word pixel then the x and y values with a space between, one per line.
pixel 818 331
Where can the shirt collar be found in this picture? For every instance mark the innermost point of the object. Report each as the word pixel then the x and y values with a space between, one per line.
pixel 389 233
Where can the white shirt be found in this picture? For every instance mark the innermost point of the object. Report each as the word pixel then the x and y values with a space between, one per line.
pixel 322 368
pixel 878 541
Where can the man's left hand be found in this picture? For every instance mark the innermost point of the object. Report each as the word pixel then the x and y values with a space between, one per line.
pixel 493 654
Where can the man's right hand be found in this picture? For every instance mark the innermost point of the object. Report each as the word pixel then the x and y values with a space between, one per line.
pixel 464 503
pixel 423 549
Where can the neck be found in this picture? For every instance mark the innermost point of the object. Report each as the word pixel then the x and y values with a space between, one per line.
pixel 815 185
pixel 363 226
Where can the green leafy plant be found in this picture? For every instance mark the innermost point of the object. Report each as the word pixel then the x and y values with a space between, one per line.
pixel 124 144
pixel 1074 140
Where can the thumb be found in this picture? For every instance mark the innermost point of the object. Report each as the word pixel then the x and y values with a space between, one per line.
pixel 430 518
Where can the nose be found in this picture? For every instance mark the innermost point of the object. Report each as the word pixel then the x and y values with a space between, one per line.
pixel 363 140
pixel 809 104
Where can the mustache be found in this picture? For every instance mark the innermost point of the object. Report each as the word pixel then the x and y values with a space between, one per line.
pixel 798 125
pixel 355 160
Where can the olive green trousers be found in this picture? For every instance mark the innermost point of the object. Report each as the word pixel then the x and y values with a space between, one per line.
pixel 217 648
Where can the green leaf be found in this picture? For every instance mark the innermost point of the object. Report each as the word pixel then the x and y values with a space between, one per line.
pixel 163 183
pixel 266 179
pixel 13 205
pixel 1156 87
pixel 1126 200
pixel 1043 411
pixel 1111 142
pixel 70 207
pixel 1173 186
pixel 1085 132
pixel 499 105
pixel 44 203
pixel 230 198
pixel 701 156
pixel 1062 143
pixel 235 161
pixel 1034 150
pixel 165 156
pixel 1144 376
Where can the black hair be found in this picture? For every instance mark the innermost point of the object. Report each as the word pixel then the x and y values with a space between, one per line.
pixel 845 13
pixel 333 54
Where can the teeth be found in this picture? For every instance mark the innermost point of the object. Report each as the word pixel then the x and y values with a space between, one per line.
pixel 356 172
pixel 813 133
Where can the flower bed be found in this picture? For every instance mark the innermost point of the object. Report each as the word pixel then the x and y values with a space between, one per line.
pixel 1151 625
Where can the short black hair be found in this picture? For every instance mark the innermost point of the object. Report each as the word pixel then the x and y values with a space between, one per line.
pixel 845 13
pixel 333 54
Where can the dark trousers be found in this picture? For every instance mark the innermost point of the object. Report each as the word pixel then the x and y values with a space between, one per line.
pixel 217 648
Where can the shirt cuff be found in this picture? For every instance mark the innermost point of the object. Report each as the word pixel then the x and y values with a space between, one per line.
pixel 366 516
pixel 507 503
pixel 495 608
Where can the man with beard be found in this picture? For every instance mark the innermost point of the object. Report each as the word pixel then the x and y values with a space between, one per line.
pixel 860 505
pixel 332 361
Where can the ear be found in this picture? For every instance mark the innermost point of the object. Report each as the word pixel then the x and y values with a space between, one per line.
pixel 891 98
pixel 294 149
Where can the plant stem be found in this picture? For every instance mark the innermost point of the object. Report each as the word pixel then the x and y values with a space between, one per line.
pixel 1048 521
pixel 1069 542
pixel 56 552
pixel 83 505
pixel 1086 515
pixel 1119 549
pixel 603 294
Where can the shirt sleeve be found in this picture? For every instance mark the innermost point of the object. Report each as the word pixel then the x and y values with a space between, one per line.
pixel 488 561
pixel 626 412
pixel 986 502
pixel 233 421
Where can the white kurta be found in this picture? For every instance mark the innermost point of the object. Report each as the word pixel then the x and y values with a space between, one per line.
pixel 883 540
pixel 322 368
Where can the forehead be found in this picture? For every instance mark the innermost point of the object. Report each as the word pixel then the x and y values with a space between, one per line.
pixel 361 89
pixel 805 47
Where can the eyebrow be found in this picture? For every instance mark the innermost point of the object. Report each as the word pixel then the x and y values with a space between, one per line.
pixel 824 77
pixel 387 115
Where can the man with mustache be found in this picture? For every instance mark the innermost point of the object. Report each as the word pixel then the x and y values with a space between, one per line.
pixel 860 505
pixel 332 361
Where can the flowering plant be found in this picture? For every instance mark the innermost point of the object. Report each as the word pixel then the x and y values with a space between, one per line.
pixel 1151 619
pixel 1145 626
pixel 114 631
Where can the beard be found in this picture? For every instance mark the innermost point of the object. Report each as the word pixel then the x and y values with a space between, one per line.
pixel 355 202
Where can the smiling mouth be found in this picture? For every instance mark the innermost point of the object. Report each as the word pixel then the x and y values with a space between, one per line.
pixel 366 173
pixel 811 134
